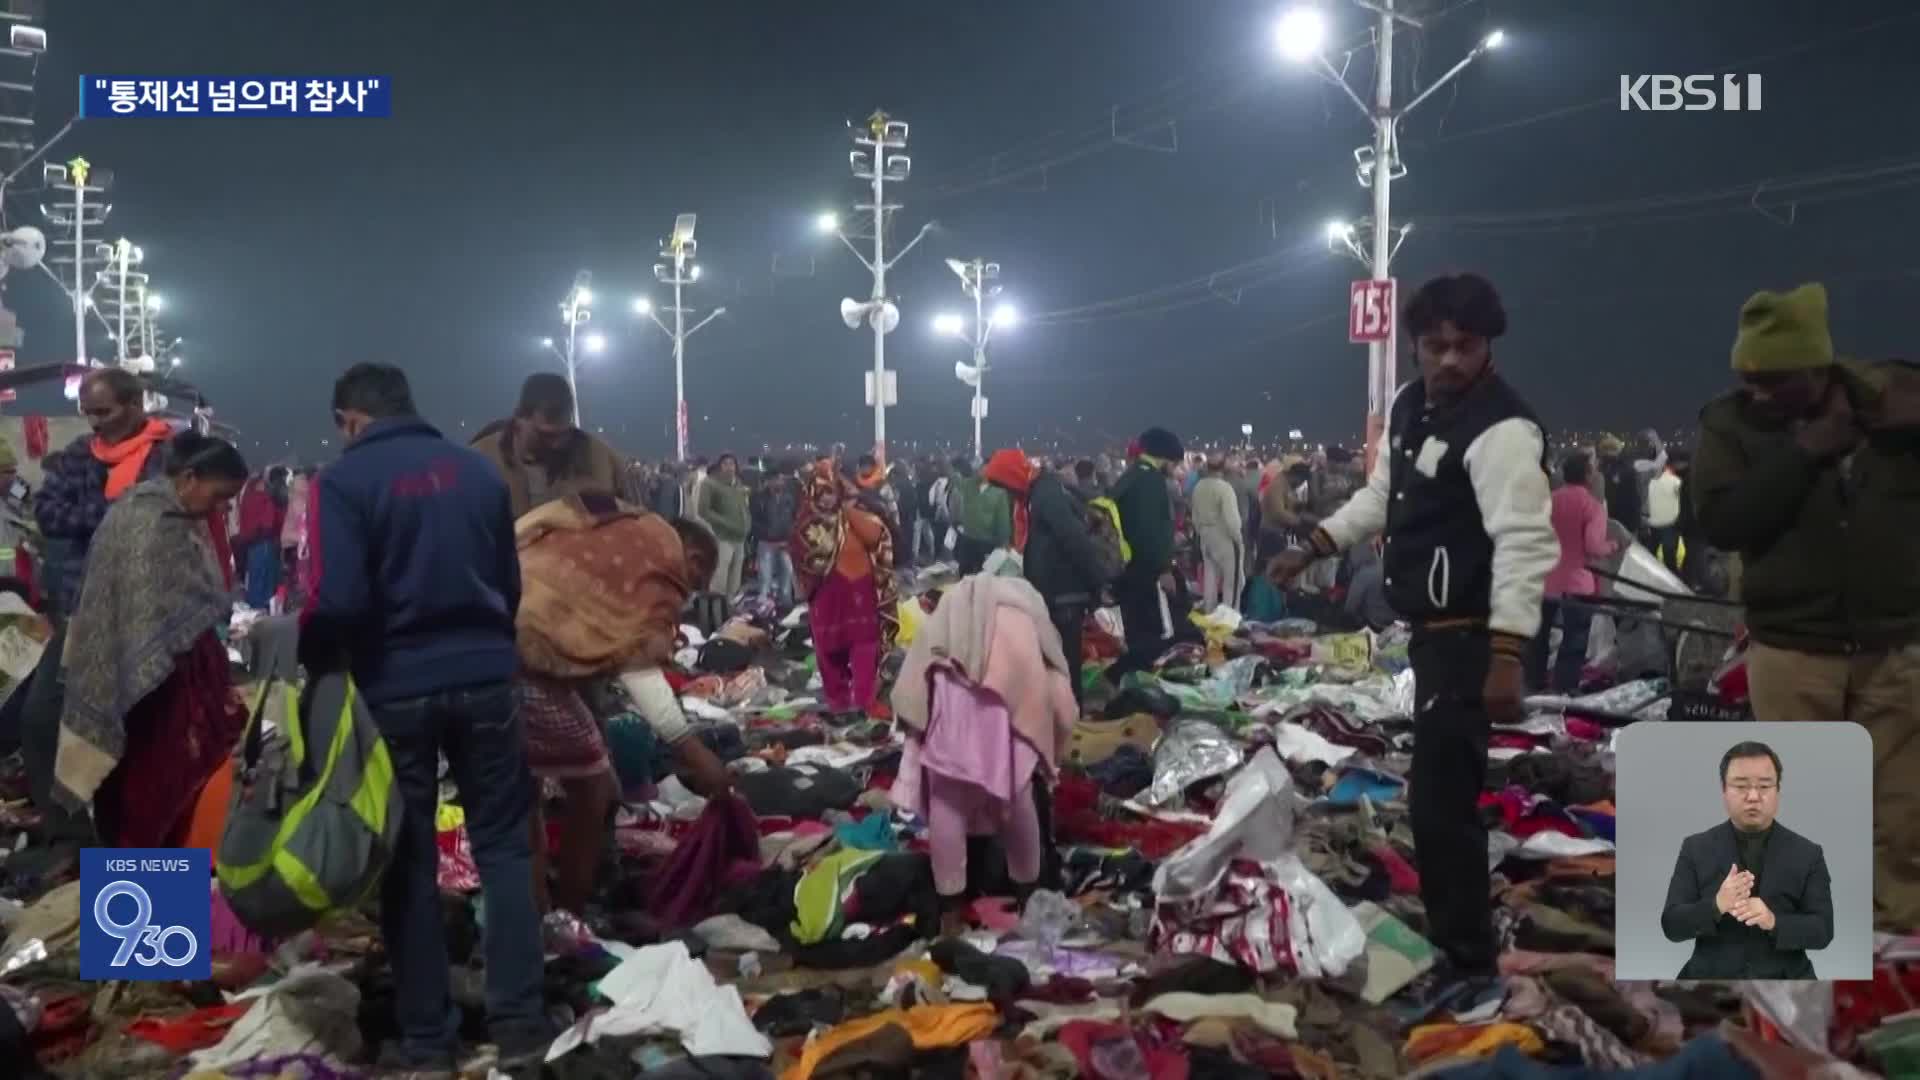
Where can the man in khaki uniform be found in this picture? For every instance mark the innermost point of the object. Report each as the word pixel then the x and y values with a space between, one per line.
pixel 1810 471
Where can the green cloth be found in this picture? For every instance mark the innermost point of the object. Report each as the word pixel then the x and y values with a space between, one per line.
pixel 987 514
pixel 726 509
pixel 1783 332
pixel 1826 551
pixel 821 896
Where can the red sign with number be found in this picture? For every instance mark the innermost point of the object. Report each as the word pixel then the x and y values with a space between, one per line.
pixel 1370 311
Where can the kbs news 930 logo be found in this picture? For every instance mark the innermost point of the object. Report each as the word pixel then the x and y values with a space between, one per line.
pixel 146 914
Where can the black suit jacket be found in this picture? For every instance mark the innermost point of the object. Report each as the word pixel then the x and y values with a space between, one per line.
pixel 1792 881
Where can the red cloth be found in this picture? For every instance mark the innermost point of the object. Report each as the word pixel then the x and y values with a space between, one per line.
pixel 222 549
pixel 724 836
pixel 196 1030
pixel 1011 470
pixel 261 517
pixel 37 434
pixel 1401 876
pixel 1076 818
pixel 1081 1037
pixel 176 737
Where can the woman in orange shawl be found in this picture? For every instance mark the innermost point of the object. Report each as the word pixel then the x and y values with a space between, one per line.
pixel 843 565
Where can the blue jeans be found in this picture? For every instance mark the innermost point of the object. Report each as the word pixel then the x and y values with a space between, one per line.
pixel 263 572
pixel 776 572
pixel 479 731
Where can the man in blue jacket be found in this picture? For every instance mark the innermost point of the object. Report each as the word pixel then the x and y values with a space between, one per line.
pixel 416 583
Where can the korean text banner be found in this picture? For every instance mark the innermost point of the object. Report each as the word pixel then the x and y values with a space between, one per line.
pixel 235 95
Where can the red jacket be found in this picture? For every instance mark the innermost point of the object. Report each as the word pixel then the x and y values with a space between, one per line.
pixel 260 516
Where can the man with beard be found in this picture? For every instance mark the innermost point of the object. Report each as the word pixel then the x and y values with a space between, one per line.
pixel 1810 471
pixel 539 451
pixel 1460 491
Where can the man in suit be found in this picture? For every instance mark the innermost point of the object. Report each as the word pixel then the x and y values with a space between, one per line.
pixel 1751 894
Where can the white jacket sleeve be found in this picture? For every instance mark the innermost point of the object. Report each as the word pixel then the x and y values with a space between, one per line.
pixel 1365 514
pixel 1516 510
pixel 657 704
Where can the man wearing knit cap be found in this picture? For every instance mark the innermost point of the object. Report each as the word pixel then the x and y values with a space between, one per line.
pixel 1146 520
pixel 1460 492
pixel 1810 471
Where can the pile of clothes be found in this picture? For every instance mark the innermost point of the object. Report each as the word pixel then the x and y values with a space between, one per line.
pixel 1232 892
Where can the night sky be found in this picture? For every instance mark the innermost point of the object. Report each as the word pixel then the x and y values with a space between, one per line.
pixel 531 140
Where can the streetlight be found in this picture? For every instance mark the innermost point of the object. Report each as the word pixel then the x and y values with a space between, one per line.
pixel 979 280
pixel 827 224
pixel 678 269
pixel 595 342
pixel 1300 35
pixel 576 311
pixel 155 302
pixel 874 160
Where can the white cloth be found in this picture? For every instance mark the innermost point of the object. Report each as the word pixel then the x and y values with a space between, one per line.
pixel 1301 744
pixel 661 990
pixel 657 704
pixel 1663 500
pixel 308 1012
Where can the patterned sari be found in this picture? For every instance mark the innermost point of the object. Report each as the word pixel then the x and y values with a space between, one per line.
pixel 822 528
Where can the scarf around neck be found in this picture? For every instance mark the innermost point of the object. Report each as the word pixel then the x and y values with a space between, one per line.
pixel 127 458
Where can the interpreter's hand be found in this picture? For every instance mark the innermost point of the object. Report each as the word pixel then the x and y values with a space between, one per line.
pixel 1734 891
pixel 1754 911
pixel 1289 564
pixel 1504 687
pixel 1836 431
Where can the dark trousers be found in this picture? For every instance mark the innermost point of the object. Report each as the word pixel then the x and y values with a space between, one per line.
pixel 46 694
pixel 1139 596
pixel 1576 625
pixel 1450 731
pixel 479 731
pixel 971 554
pixel 1070 618
pixel 1666 544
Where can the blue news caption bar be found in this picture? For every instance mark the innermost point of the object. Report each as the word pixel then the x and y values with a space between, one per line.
pixel 222 95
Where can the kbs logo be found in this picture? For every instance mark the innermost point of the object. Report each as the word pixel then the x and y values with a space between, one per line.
pixel 1689 93
pixel 145 913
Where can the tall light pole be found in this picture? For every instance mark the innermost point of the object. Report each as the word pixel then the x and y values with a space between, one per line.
pixel 1300 36
pixel 576 310
pixel 678 271
pixel 872 162
pixel 979 279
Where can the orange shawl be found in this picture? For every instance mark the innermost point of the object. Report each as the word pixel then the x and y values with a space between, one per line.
pixel 126 459
pixel 599 595
pixel 1011 470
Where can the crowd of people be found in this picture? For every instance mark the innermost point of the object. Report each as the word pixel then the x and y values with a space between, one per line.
pixel 488 599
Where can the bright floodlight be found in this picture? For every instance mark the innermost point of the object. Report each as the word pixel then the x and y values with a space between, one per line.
pixel 595 342
pixel 948 323
pixel 1300 34
pixel 695 274
pixel 1494 39
pixel 827 223
pixel 546 343
pixel 154 303
pixel 583 296
pixel 642 306
pixel 1006 315
pixel 1338 230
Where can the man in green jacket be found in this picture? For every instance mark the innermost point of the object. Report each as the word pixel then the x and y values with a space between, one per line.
pixel 1810 471
pixel 726 508
pixel 985 524
pixel 1146 520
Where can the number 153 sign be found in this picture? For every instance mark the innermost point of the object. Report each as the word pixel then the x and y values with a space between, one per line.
pixel 1370 311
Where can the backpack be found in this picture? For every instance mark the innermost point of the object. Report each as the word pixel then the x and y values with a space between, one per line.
pixel 315 812
pixel 1110 548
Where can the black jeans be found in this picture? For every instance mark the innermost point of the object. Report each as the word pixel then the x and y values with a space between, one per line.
pixel 1070 618
pixel 1450 731
pixel 1139 596
pixel 1666 544
pixel 479 731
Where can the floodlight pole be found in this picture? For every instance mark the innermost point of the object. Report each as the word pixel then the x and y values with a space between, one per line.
pixel 1379 174
pixel 77 171
pixel 979 354
pixel 678 249
pixel 877 136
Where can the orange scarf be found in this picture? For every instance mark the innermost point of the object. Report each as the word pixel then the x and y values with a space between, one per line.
pixel 1011 470
pixel 126 459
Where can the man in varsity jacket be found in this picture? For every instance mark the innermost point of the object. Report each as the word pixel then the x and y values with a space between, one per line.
pixel 1460 491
